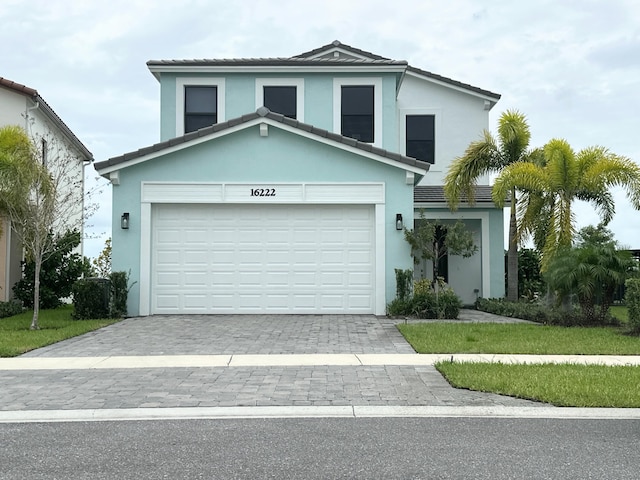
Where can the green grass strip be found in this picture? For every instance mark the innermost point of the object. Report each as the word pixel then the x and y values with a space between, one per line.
pixel 55 325
pixel 518 339
pixel 561 385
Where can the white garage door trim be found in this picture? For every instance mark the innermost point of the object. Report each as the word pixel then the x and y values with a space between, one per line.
pixel 281 193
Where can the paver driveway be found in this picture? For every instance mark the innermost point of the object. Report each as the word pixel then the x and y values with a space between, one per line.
pixel 313 384
pixel 236 334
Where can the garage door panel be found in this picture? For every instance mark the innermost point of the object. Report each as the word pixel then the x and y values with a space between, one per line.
pixel 259 258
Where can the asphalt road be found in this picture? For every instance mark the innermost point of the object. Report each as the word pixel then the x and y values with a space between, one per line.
pixel 382 448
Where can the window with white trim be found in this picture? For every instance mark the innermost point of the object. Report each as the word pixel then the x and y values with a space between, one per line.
pixel 357 108
pixel 200 107
pixel 199 103
pixel 281 95
pixel 357 111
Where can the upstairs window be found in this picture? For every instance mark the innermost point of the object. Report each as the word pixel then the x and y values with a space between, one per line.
pixel 420 137
pixel 281 99
pixel 357 102
pixel 200 107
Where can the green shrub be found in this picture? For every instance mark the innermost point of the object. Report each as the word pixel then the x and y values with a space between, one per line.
pixel 59 272
pixel 632 300
pixel 422 286
pixel 10 308
pixel 90 298
pixel 426 304
pixel 536 313
pixel 119 294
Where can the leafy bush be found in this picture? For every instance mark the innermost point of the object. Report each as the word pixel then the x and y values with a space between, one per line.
pixel 10 308
pixel 59 272
pixel 91 299
pixel 632 299
pixel 119 294
pixel 422 286
pixel 425 303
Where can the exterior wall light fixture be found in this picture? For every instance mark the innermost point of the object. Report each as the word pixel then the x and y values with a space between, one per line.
pixel 124 221
pixel 399 223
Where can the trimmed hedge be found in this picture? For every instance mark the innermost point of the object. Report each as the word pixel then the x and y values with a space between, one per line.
pixel 535 312
pixel 101 297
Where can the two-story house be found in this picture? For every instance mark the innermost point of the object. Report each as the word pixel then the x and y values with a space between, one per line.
pixel 282 185
pixel 58 148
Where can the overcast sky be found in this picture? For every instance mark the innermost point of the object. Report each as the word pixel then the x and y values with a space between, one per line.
pixel 573 67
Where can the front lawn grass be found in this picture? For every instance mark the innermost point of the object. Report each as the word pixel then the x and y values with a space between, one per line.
pixel 55 325
pixel 518 339
pixel 561 385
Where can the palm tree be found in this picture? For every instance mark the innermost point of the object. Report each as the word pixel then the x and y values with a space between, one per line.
pixel 553 184
pixel 486 156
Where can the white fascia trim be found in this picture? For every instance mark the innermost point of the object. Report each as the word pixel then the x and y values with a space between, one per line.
pixel 338 83
pixel 484 240
pixel 493 100
pixel 258 121
pixel 145 259
pixel 402 118
pixel 182 82
pixel 282 82
pixel 289 69
pixel 476 206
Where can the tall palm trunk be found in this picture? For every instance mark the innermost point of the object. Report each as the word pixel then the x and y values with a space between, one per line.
pixel 512 253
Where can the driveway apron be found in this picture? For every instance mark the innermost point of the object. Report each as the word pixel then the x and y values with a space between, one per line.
pixel 228 385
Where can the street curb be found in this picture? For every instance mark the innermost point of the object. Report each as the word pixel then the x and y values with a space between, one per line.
pixel 221 413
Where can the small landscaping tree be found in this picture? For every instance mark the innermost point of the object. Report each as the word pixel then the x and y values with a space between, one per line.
pixel 101 266
pixel 432 240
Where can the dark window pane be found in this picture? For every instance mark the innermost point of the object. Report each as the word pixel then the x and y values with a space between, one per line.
pixel 200 107
pixel 359 127
pixel 281 100
pixel 201 100
pixel 357 112
pixel 420 141
pixel 196 122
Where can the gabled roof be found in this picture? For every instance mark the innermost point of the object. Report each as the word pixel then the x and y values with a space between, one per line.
pixel 355 58
pixel 260 114
pixel 435 194
pixel 48 111
pixel 336 45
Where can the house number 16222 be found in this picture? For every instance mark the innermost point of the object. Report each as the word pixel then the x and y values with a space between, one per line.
pixel 263 192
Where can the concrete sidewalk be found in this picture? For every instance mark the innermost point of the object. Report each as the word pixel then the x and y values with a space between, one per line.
pixel 296 360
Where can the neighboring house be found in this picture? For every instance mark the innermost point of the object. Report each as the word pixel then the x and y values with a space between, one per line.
pixel 281 185
pixel 58 148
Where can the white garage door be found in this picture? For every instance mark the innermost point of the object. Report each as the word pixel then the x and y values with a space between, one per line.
pixel 263 259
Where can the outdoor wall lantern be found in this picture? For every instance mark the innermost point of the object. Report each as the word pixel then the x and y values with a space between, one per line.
pixel 124 221
pixel 399 221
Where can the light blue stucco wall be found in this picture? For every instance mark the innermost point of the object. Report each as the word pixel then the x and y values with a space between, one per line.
pixel 240 94
pixel 244 156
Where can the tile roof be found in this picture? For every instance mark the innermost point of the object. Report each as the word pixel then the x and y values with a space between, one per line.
pixel 30 92
pixel 306 59
pixel 266 113
pixel 343 46
pixel 455 83
pixel 273 62
pixel 435 194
